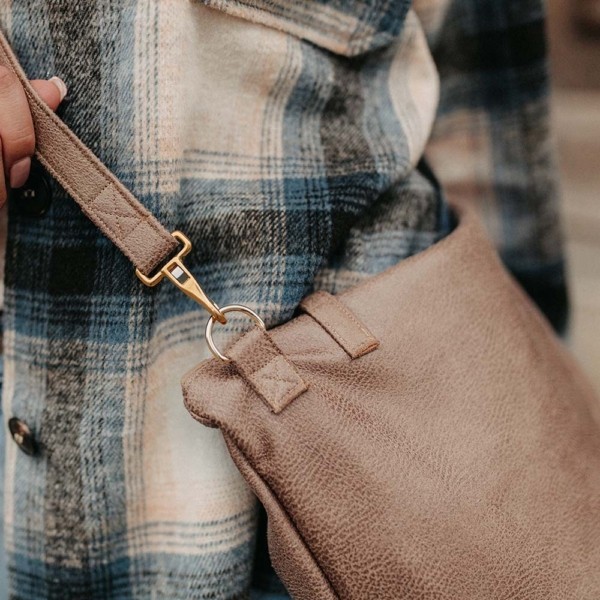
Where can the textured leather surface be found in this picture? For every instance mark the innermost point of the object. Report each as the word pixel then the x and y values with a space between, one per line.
pixel 459 460
pixel 107 203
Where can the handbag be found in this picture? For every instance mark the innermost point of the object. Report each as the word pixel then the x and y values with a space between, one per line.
pixel 423 435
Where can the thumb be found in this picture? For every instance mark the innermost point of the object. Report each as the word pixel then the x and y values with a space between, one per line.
pixel 52 91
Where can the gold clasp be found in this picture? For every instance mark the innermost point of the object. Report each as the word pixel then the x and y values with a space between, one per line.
pixel 177 272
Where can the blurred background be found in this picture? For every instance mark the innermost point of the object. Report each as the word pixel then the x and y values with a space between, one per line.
pixel 575 53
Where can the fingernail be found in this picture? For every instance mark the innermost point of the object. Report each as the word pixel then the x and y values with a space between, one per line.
pixel 19 172
pixel 61 85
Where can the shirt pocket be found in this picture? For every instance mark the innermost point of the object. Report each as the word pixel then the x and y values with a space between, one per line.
pixel 345 27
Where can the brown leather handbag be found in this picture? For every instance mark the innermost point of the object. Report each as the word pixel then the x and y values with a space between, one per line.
pixel 421 436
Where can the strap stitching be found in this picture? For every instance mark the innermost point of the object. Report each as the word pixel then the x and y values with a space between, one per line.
pixel 295 385
pixel 44 114
pixel 155 256
pixel 347 312
pixel 91 161
pixel 323 299
pixel 86 204
pixel 275 402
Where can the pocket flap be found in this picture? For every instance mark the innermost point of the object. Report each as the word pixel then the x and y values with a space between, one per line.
pixel 347 27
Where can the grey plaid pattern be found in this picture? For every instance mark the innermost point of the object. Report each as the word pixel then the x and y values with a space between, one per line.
pixel 287 140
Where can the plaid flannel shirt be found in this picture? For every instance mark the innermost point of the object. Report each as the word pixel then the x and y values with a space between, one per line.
pixel 287 139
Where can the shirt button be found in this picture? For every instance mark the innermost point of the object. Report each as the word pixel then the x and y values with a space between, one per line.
pixel 34 198
pixel 22 436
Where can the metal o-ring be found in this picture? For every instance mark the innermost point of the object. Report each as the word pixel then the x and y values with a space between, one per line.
pixel 227 309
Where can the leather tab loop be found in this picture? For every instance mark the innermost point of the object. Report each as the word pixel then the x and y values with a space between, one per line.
pixel 340 323
pixel 265 368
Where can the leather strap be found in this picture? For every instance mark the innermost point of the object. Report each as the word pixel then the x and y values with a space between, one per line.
pixel 101 196
pixel 266 369
pixel 340 323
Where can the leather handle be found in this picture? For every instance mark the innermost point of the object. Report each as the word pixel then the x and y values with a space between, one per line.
pixel 101 196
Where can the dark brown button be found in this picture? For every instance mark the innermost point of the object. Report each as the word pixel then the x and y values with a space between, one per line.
pixel 35 197
pixel 22 436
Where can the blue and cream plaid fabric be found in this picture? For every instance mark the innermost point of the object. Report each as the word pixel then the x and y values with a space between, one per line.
pixel 287 139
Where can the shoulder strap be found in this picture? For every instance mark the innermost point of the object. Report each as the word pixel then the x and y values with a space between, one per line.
pixel 101 196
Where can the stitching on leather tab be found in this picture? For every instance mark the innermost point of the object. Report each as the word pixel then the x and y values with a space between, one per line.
pixel 278 396
pixel 267 370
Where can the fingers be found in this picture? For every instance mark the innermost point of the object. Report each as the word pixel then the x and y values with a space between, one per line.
pixel 17 135
pixel 16 129
pixel 52 91
pixel 2 180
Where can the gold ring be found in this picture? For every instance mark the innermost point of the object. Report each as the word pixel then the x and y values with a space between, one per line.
pixel 213 319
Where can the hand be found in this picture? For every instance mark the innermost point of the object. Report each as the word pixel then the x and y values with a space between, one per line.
pixel 17 137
